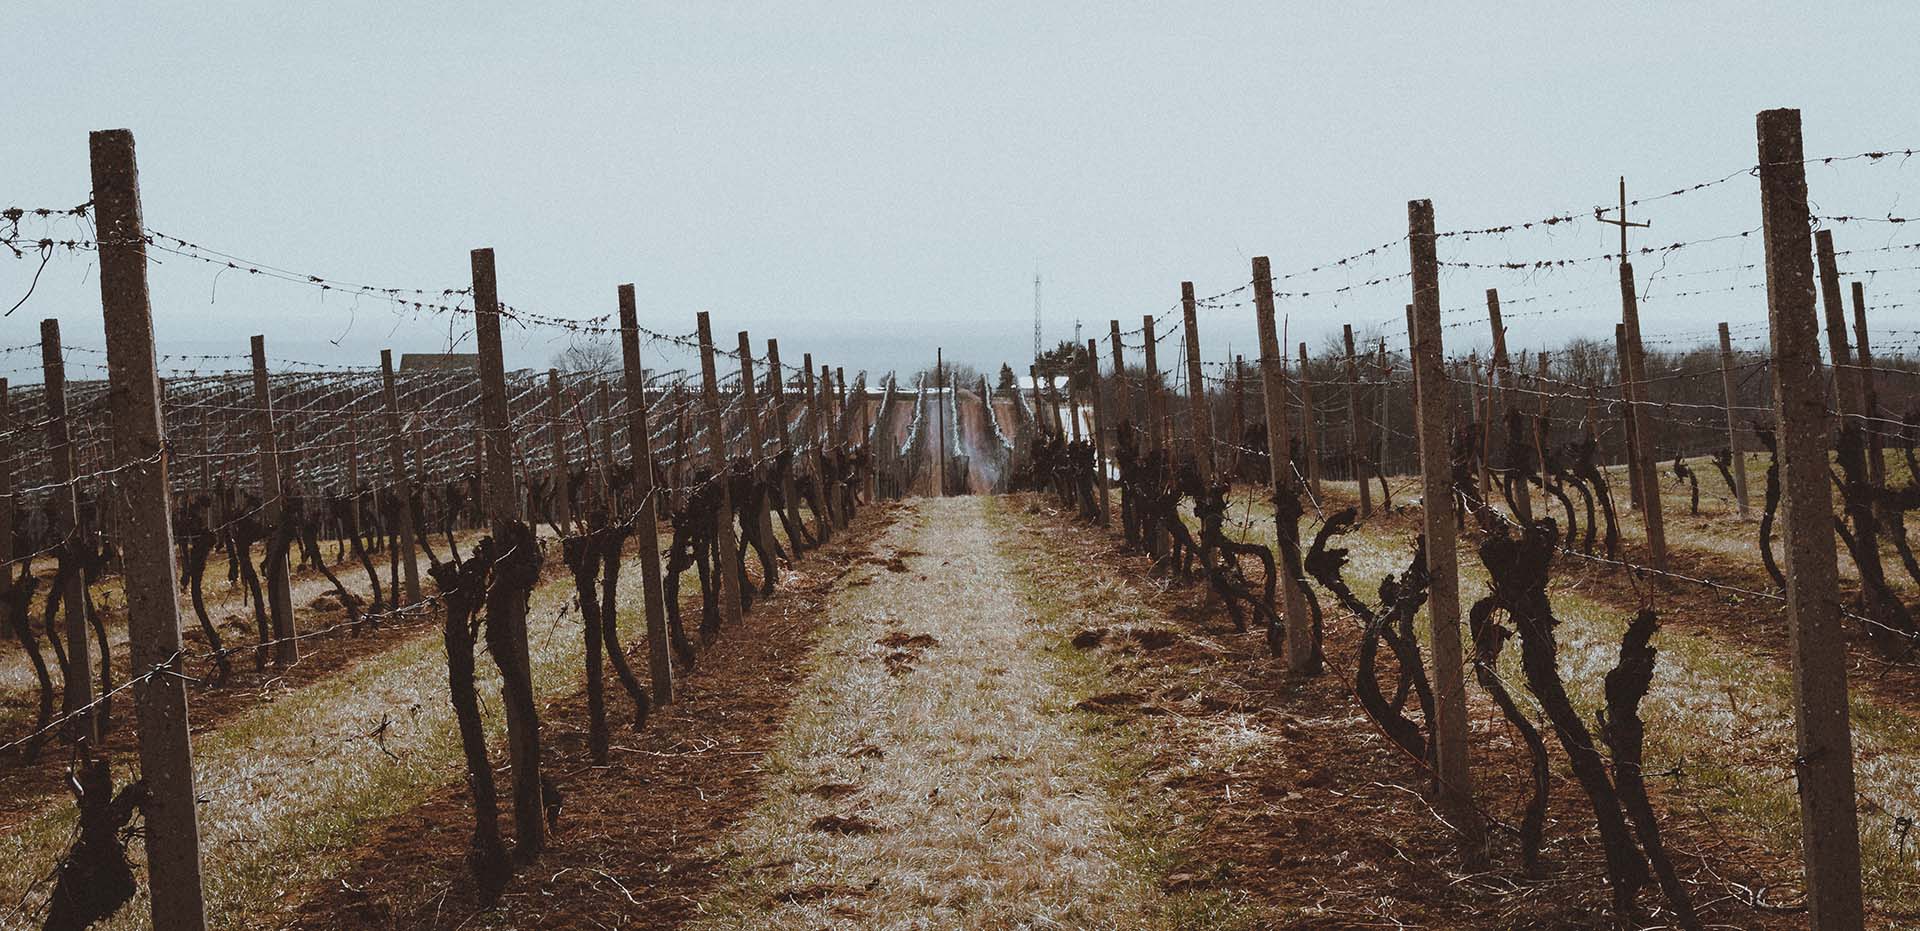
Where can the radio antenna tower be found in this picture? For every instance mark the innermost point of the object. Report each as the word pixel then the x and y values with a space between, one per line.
pixel 1036 315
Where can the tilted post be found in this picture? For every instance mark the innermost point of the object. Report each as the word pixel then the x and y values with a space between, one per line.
pixel 1869 392
pixel 1154 394
pixel 750 404
pixel 1644 454
pixel 1203 455
pixel 556 436
pixel 646 522
pixel 1733 423
pixel 78 675
pixel 776 382
pixel 506 604
pixel 1356 435
pixel 1123 406
pixel 1099 438
pixel 821 518
pixel 402 481
pixel 1308 448
pixel 1293 600
pixel 730 581
pixel 1846 380
pixel 1629 434
pixel 1823 762
pixel 273 489
pixel 153 608
pixel 1502 368
pixel 1435 416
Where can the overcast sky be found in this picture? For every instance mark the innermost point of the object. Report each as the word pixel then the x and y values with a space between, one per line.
pixel 870 182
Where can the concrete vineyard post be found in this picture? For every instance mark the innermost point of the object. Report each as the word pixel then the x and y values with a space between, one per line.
pixel 402 481
pixel 1640 406
pixel 1435 418
pixel 153 609
pixel 1830 830
pixel 502 507
pixel 1293 601
pixel 646 523
pixel 729 541
pixel 1203 453
pixel 286 649
pixel 1733 423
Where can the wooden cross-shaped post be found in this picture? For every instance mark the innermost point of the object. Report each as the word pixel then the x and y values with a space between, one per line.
pixel 1621 221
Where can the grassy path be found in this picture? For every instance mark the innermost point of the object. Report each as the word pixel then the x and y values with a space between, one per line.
pixel 935 773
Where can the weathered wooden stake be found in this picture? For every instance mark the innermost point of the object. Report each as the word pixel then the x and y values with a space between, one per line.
pixel 1435 410
pixel 1386 434
pixel 1123 408
pixel 1830 830
pixel 1203 454
pixel 1644 453
pixel 821 518
pixel 1356 435
pixel 286 649
pixel 776 383
pixel 1629 434
pixel 507 605
pixel 402 481
pixel 1309 448
pixel 646 522
pixel 730 581
pixel 1846 380
pixel 557 437
pixel 153 609
pixel 1155 402
pixel 78 675
pixel 1502 369
pixel 1293 601
pixel 1733 423
pixel 1869 392
pixel 750 406
pixel 1099 438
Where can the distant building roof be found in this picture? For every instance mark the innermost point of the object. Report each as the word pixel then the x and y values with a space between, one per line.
pixel 438 361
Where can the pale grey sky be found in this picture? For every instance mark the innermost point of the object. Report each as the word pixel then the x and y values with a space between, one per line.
pixel 867 182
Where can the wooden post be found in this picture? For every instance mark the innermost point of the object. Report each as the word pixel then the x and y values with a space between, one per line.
pixel 1435 416
pixel 286 649
pixel 1236 418
pixel 1099 439
pixel 1733 423
pixel 153 609
pixel 1293 601
pixel 1643 425
pixel 1869 392
pixel 730 580
pixel 1308 448
pixel 646 522
pixel 1203 454
pixel 1876 467
pixel 831 490
pixel 402 481
pixel 1123 408
pixel 1154 426
pixel 7 502
pixel 1386 433
pixel 821 519
pixel 78 675
pixel 1481 394
pixel 777 384
pixel 504 603
pixel 556 435
pixel 940 421
pixel 1502 368
pixel 750 406
pixel 1542 418
pixel 1356 435
pixel 1846 382
pixel 1830 830
pixel 1629 434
